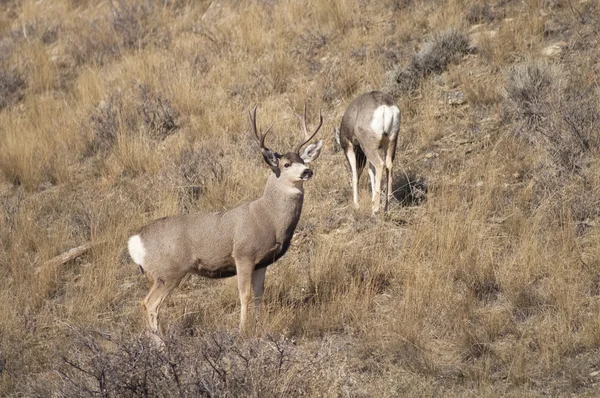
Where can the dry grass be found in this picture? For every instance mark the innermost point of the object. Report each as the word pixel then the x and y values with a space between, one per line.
pixel 483 280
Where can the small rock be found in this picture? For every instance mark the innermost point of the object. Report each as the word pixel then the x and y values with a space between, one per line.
pixel 594 374
pixel 456 97
pixel 555 49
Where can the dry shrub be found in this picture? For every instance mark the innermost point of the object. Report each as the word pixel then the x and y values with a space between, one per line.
pixel 129 21
pixel 480 13
pixel 191 173
pixel 434 57
pixel 400 5
pixel 12 85
pixel 157 114
pixel 124 113
pixel 216 365
pixel 574 131
pixel 309 45
pixel 529 89
pixel 445 48
pixel 105 121
pixel 127 25
pixel 409 189
pixel 559 119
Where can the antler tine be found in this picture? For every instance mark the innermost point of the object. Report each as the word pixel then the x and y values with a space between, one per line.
pixel 307 136
pixel 259 136
pixel 252 121
pixel 304 129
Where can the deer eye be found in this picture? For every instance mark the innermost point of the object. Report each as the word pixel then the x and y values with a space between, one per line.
pixel 287 165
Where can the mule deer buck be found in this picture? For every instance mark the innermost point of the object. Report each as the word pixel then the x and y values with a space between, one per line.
pixel 369 132
pixel 241 241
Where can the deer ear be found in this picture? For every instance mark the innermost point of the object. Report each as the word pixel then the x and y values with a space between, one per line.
pixel 312 152
pixel 272 159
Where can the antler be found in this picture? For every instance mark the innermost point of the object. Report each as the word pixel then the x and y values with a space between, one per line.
pixel 260 137
pixel 307 136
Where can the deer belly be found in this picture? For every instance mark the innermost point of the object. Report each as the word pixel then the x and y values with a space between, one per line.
pixel 224 269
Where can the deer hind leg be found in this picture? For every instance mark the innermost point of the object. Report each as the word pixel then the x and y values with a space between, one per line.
pixel 389 177
pixel 376 168
pixel 351 156
pixel 388 190
pixel 160 290
pixel 258 286
pixel 377 191
pixel 372 179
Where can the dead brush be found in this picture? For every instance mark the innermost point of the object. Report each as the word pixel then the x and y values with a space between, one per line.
pixel 217 365
pixel 105 124
pixel 529 89
pixel 128 21
pixel 558 119
pixel 123 112
pixel 434 57
pixel 191 173
pixel 158 115
pixel 125 26
pixel 12 86
pixel 480 13
pixel 409 189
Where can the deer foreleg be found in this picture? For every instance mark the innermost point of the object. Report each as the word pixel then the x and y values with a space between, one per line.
pixel 258 286
pixel 244 271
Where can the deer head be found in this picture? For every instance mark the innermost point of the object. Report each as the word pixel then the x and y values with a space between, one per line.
pixel 292 166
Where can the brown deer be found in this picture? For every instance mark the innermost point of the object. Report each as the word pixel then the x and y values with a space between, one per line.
pixel 241 241
pixel 369 132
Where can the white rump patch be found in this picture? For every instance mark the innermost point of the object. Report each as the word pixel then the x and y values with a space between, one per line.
pixel 386 120
pixel 136 249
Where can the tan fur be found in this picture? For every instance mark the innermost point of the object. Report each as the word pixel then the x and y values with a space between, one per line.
pixel 361 144
pixel 241 241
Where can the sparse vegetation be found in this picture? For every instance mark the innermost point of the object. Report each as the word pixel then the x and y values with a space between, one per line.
pixel 433 58
pixel 483 279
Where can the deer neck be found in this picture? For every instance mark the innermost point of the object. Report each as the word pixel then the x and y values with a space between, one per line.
pixel 283 204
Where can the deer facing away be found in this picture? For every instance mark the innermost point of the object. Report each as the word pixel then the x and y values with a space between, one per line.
pixel 241 241
pixel 369 133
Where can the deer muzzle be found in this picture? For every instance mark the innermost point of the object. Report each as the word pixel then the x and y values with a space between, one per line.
pixel 306 174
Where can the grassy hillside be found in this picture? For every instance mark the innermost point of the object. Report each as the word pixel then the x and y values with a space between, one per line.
pixel 115 113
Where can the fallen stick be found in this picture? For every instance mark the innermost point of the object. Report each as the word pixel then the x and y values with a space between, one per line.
pixel 69 255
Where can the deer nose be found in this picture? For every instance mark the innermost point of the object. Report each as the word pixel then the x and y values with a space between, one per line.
pixel 306 174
